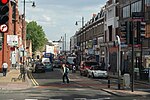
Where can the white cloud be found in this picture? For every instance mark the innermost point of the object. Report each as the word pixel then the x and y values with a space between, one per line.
pixel 46 18
pixel 58 17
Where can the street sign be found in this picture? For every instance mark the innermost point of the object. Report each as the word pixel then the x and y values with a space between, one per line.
pixel 3 28
pixel 137 15
pixel 12 40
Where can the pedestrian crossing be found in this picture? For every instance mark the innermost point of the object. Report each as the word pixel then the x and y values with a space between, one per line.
pixel 105 98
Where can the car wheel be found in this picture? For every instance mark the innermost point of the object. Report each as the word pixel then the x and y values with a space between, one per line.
pixel 80 73
pixel 88 75
pixel 93 75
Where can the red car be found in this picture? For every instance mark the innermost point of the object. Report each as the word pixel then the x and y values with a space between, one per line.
pixel 85 65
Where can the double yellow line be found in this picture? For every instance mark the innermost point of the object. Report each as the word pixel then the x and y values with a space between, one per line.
pixel 33 80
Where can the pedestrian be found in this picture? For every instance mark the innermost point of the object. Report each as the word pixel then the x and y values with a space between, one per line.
pixel 4 66
pixel 109 67
pixel 74 65
pixel 65 73
pixel 103 65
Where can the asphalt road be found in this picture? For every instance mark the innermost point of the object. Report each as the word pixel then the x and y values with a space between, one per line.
pixel 48 86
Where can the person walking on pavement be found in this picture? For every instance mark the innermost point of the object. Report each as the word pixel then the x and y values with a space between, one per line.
pixel 4 66
pixel 103 64
pixel 65 73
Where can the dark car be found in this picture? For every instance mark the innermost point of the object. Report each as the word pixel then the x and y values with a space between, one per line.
pixel 48 66
pixel 85 65
pixel 39 67
pixel 57 63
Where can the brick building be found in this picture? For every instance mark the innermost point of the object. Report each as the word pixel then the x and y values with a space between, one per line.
pixel 15 28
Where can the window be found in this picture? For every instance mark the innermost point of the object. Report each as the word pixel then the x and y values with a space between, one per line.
pixel 117 11
pixel 126 11
pixel 110 32
pixel 136 7
pixel 110 13
pixel 147 2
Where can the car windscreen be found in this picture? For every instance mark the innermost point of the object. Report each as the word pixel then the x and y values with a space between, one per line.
pixel 70 60
pixel 98 68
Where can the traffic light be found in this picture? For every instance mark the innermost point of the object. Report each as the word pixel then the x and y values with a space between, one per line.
pixel 4 9
pixel 124 33
pixel 140 31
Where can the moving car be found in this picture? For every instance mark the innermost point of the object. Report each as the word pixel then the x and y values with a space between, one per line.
pixel 39 67
pixel 85 65
pixel 48 66
pixel 57 64
pixel 70 62
pixel 97 71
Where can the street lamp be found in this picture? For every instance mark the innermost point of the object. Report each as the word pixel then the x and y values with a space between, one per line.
pixel 23 31
pixel 82 24
pixel 118 60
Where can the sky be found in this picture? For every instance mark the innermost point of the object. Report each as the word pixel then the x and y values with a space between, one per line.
pixel 58 17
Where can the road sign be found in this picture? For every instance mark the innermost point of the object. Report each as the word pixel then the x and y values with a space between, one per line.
pixel 3 28
pixel 137 15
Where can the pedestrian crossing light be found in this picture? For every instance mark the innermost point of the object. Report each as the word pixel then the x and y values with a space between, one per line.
pixel 142 29
pixel 4 9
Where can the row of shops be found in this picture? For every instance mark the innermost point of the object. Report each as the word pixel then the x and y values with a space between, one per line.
pixel 97 38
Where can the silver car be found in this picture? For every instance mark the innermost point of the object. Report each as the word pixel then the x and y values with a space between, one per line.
pixel 97 71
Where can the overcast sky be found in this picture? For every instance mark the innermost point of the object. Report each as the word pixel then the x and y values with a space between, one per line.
pixel 58 17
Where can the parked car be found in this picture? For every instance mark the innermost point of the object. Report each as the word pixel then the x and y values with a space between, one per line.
pixel 48 66
pixel 85 65
pixel 97 71
pixel 39 67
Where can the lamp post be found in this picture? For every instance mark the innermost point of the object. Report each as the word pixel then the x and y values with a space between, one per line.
pixel 118 60
pixel 23 34
pixel 82 24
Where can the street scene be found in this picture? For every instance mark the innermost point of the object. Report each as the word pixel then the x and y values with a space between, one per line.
pixel 49 86
pixel 74 50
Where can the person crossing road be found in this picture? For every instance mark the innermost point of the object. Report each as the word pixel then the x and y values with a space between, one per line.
pixel 65 73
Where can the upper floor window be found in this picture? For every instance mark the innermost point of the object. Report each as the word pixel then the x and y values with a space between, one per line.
pixel 117 11
pixel 136 7
pixel 126 11
pixel 110 13
pixel 117 1
pixel 147 2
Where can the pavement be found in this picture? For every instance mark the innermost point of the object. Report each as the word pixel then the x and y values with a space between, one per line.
pixel 126 91
pixel 123 91
pixel 11 81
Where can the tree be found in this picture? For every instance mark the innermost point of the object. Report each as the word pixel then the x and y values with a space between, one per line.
pixel 36 34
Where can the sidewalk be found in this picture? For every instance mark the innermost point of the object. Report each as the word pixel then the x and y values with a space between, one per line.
pixel 126 91
pixel 10 82
pixel 142 91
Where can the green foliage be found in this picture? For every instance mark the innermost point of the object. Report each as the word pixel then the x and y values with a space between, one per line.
pixel 36 34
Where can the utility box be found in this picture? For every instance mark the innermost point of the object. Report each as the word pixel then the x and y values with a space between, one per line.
pixel 126 81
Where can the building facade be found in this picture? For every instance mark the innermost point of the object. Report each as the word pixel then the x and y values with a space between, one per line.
pixel 11 51
pixel 98 36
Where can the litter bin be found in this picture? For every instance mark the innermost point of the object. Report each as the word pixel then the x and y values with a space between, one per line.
pixel 145 74
pixel 126 81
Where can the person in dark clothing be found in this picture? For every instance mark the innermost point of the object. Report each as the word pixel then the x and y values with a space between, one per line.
pixel 4 66
pixel 103 65
pixel 65 73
